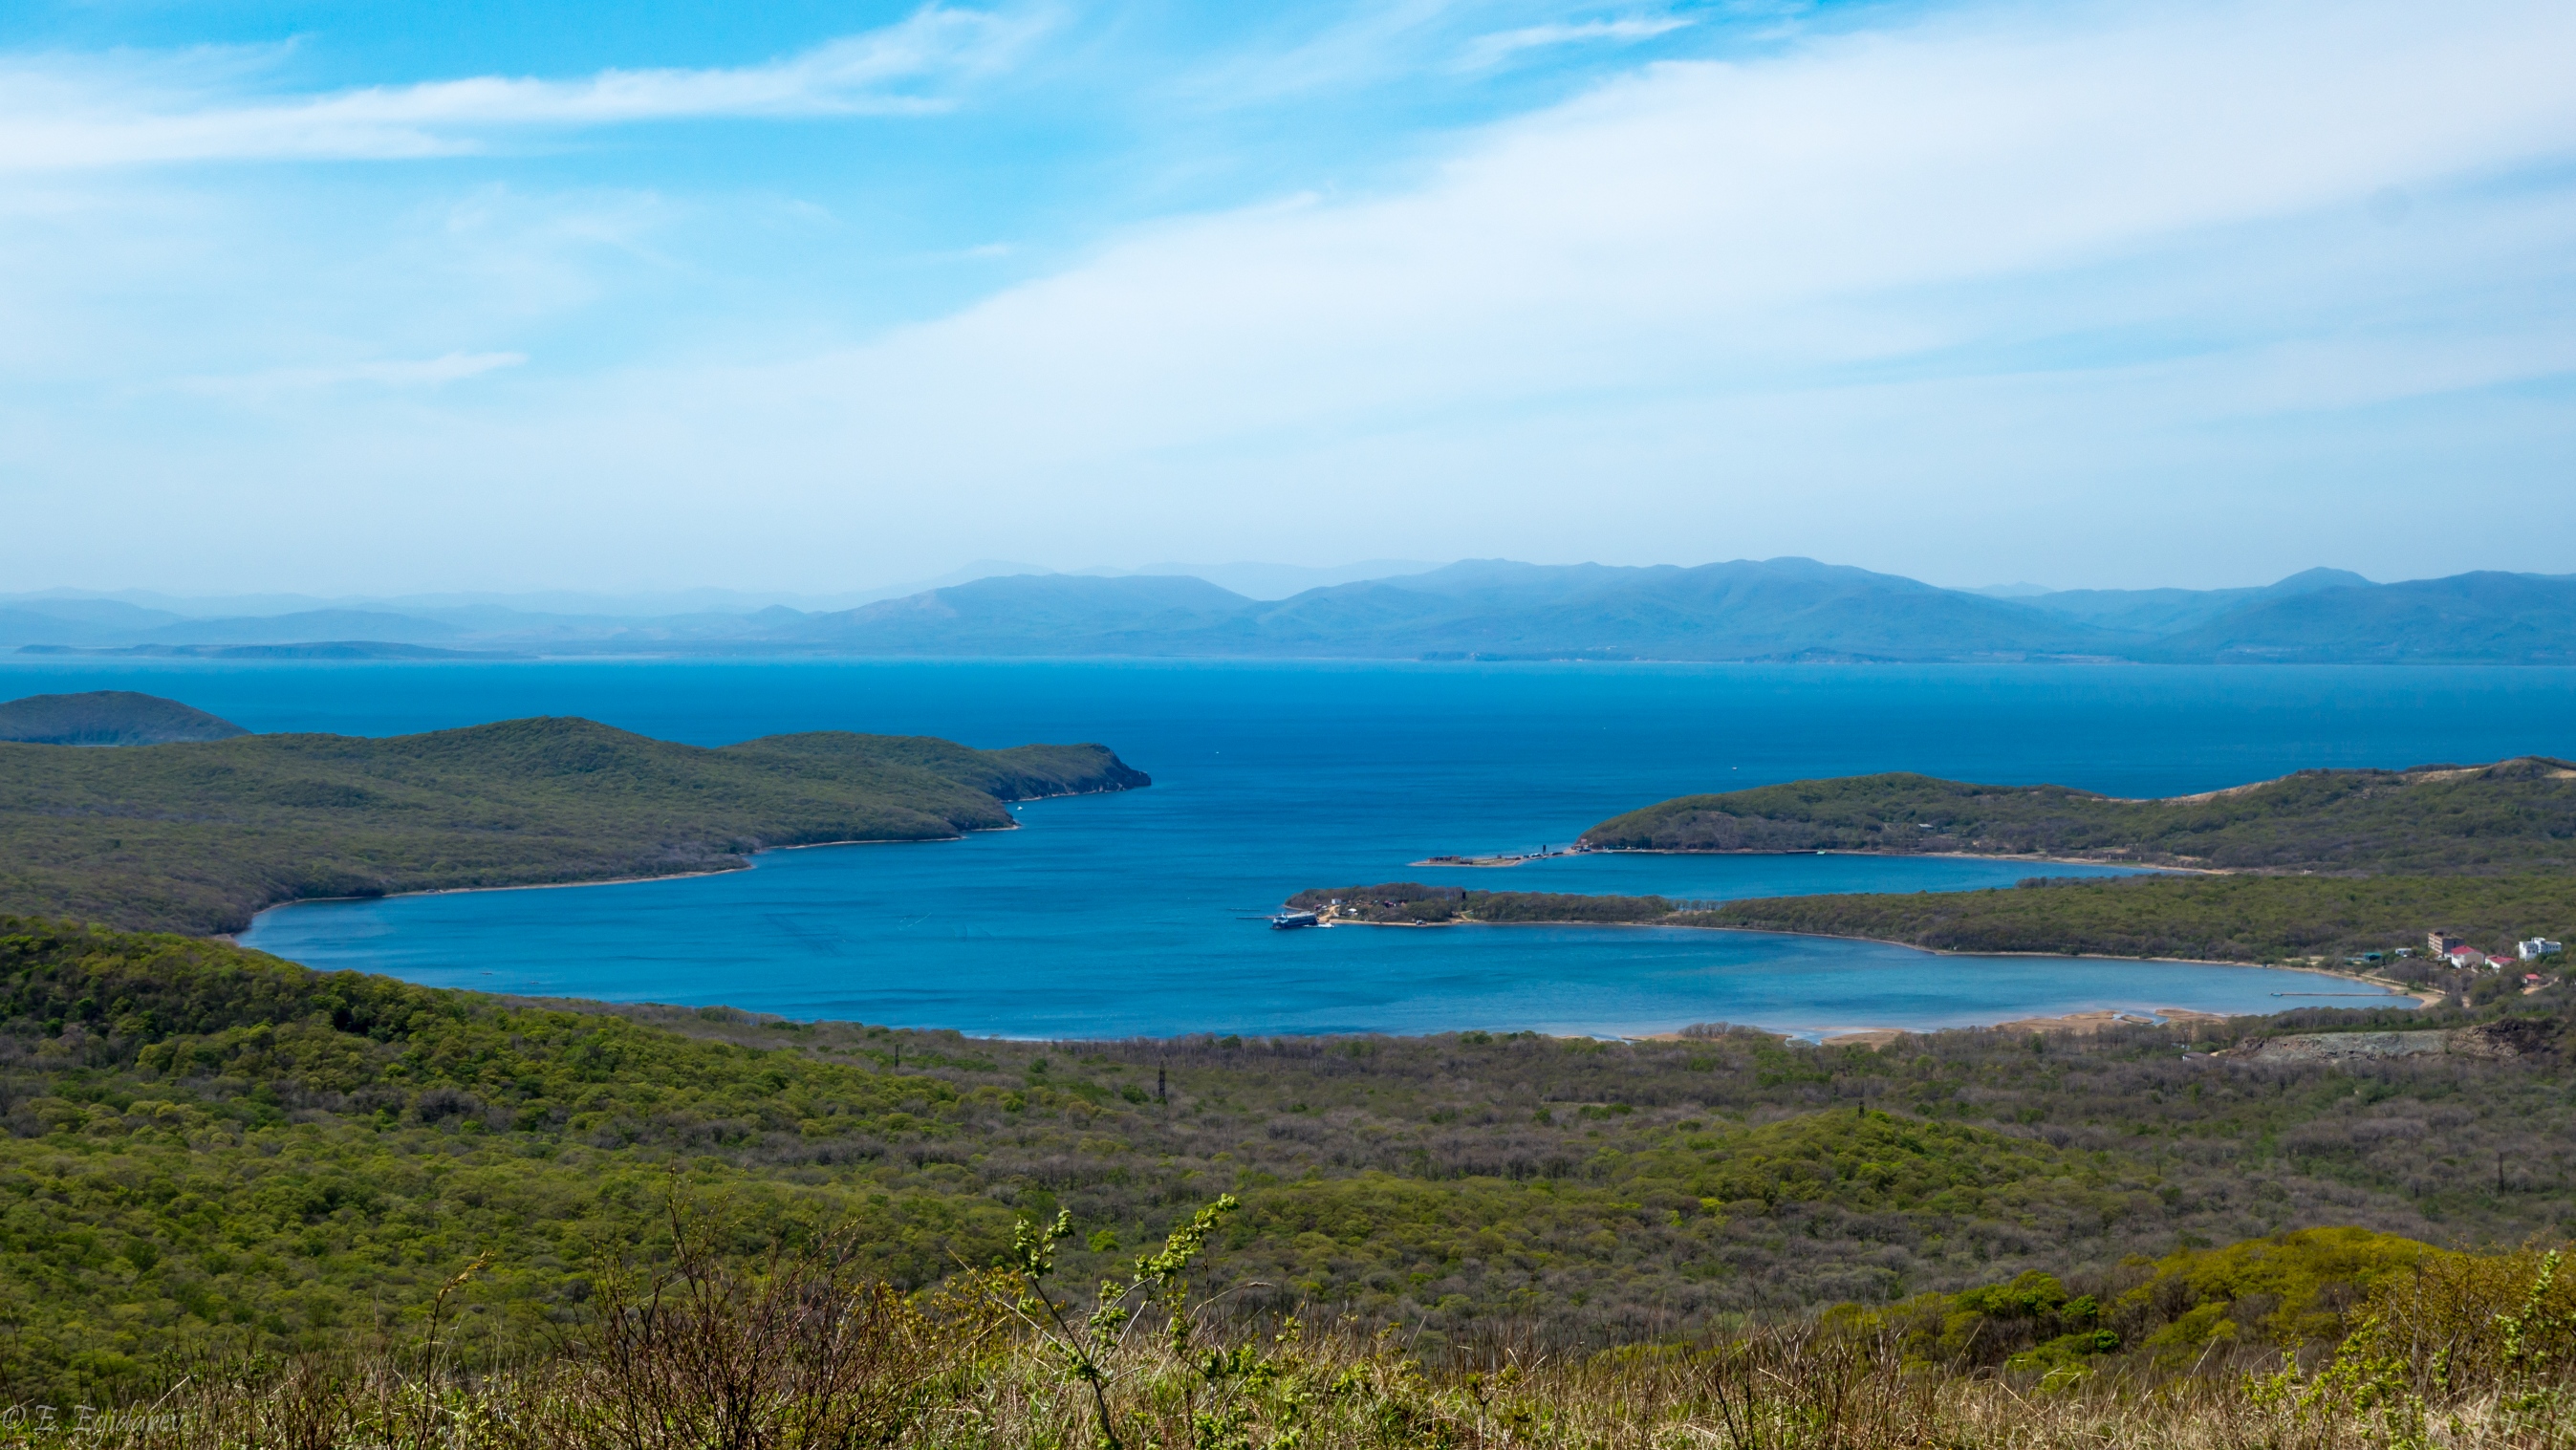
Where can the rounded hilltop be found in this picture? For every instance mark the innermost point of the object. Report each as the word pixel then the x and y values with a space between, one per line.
pixel 108 717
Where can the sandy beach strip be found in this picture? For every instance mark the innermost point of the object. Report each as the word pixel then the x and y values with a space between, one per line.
pixel 2138 866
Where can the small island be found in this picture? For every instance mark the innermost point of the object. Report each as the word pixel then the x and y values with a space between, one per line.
pixel 1410 903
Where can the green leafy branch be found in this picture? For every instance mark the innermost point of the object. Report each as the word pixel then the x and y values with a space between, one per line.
pixel 1088 1348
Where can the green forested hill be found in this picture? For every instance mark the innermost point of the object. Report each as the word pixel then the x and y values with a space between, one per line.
pixel 198 836
pixel 208 1148
pixel 2517 815
pixel 108 717
pixel 2323 862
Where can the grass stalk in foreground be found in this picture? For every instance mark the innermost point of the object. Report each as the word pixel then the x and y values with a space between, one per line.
pixel 1771 1390
pixel 2469 1352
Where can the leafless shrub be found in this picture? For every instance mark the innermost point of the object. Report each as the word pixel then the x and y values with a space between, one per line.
pixel 798 1353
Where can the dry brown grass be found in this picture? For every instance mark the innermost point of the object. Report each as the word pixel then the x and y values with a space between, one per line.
pixel 1778 1390
pixel 2474 1352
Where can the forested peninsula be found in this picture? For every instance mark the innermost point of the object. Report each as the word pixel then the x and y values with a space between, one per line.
pixel 2321 864
pixel 200 835
pixel 2197 918
pixel 2512 816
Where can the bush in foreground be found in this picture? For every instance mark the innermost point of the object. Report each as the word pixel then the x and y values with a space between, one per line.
pixel 2442 1350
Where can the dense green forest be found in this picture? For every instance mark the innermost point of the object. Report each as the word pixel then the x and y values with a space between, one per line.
pixel 2514 816
pixel 199 836
pixel 211 1151
pixel 2248 918
pixel 2203 918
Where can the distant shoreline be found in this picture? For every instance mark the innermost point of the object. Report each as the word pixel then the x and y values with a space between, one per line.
pixel 2080 1023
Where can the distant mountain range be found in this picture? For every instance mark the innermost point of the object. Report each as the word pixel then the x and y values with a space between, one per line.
pixel 1774 609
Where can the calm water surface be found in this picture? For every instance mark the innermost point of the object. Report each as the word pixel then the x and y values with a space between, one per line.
pixel 1131 914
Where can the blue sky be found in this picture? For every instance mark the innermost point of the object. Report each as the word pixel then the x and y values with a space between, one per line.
pixel 363 298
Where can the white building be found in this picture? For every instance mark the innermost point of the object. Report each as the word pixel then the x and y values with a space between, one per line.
pixel 2534 949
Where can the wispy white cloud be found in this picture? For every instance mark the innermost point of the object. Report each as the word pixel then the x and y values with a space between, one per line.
pixel 1503 45
pixel 2092 282
pixel 1734 224
pixel 1369 42
pixel 1886 289
pixel 55 117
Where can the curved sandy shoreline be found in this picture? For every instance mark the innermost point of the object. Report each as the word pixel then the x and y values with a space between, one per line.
pixel 1498 862
pixel 741 863
pixel 2086 1021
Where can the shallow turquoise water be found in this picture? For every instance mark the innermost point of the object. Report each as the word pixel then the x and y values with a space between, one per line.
pixel 1125 914
pixel 989 935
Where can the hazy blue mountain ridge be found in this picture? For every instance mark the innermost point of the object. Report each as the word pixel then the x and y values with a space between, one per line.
pixel 77 621
pixel 1740 610
pixel 1774 609
pixel 2485 617
pixel 2164 611
pixel 303 626
pixel 97 622
pixel 1035 614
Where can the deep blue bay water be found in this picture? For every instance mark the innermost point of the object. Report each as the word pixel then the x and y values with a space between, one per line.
pixel 1126 914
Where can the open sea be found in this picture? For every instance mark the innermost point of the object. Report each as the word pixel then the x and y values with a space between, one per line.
pixel 1138 914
